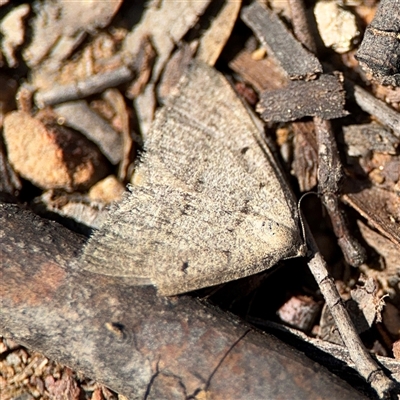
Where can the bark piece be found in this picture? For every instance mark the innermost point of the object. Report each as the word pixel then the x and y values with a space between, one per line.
pixel 79 208
pixel 380 207
pixel 49 155
pixel 167 23
pixel 262 74
pixel 214 38
pixel 78 115
pixel 362 139
pixel 379 52
pixel 305 160
pixel 130 339
pixel 12 29
pixel 59 26
pixel 299 312
pixel 385 269
pixel 121 120
pixel 323 97
pixel 296 61
pixel 368 302
pixel 174 70
pixel 383 113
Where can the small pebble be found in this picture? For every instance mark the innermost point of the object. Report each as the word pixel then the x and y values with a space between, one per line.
pixel 51 156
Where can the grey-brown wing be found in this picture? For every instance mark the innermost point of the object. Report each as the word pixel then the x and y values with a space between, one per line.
pixel 200 212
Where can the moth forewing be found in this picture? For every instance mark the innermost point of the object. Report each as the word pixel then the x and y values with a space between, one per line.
pixel 208 203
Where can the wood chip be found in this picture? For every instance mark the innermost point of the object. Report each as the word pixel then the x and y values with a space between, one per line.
pixel 107 190
pixel 296 61
pixel 380 207
pixel 262 74
pixel 305 157
pixel 174 70
pixel 299 312
pixel 362 139
pixel 121 120
pixel 368 302
pixel 214 38
pixel 78 115
pixel 323 97
pixel 12 29
pixel 59 26
pixel 384 265
pixel 379 51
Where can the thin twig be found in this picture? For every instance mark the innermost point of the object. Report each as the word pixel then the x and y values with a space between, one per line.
pixel 77 90
pixel 384 113
pixel 363 361
pixel 329 177
pixel 301 25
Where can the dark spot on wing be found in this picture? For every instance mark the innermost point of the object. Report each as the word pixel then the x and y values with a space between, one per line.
pixel 245 209
pixel 184 267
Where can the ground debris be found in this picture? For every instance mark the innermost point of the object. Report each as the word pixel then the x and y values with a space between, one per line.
pixel 296 61
pixel 50 155
pixel 323 97
pixel 87 82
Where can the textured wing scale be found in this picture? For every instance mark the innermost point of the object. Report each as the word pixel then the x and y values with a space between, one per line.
pixel 207 204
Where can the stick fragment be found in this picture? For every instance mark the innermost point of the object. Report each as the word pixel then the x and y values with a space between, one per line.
pixel 78 115
pixel 78 90
pixel 363 361
pixel 329 176
pixel 385 114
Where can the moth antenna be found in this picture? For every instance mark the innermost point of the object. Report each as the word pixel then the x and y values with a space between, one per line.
pixel 303 228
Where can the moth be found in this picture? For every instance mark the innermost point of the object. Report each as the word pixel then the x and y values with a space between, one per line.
pixel 207 204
